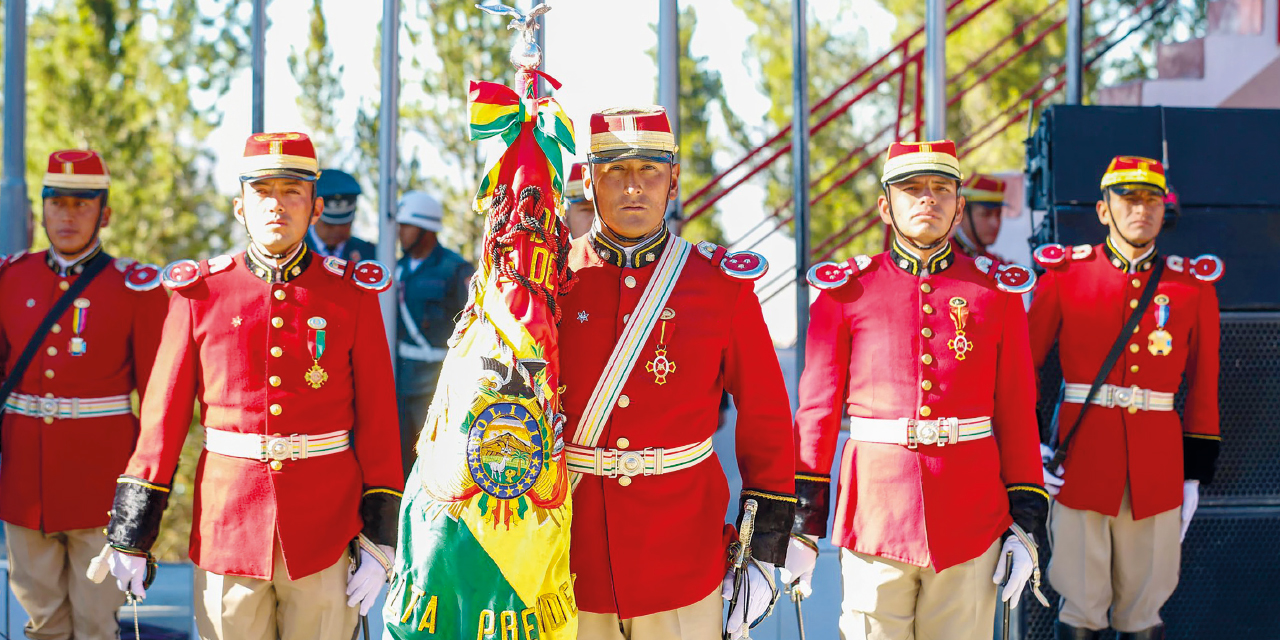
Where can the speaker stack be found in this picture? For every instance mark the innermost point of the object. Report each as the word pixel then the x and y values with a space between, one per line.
pixel 1224 166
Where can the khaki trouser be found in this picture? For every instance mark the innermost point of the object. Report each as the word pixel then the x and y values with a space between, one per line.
pixel 47 574
pixel 1127 566
pixel 698 621
pixel 310 608
pixel 890 600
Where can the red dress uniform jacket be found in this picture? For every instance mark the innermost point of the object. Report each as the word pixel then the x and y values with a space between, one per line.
pixel 878 348
pixel 58 473
pixel 236 342
pixel 656 544
pixel 1082 301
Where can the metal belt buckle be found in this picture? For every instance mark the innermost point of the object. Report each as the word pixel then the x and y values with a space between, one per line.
pixel 1124 397
pixel 630 463
pixel 276 449
pixel 48 407
pixel 927 431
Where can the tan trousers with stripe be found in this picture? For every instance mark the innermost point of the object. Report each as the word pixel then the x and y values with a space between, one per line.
pixel 1126 566
pixel 47 574
pixel 310 608
pixel 889 600
pixel 698 621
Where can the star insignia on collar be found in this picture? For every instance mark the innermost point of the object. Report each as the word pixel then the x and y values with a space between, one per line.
pixel 582 316
pixel 235 322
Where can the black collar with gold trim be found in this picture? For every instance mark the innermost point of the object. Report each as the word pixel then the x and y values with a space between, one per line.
pixel 1142 263
pixel 643 254
pixel 913 264
pixel 74 268
pixel 266 269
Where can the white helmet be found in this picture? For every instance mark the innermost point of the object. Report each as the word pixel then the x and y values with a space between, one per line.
pixel 419 209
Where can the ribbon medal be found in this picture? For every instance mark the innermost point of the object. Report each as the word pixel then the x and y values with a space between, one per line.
pixel 78 347
pixel 660 366
pixel 316 375
pixel 1160 342
pixel 960 315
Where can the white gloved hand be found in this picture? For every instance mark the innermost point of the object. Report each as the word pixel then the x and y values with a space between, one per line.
pixel 797 571
pixel 1190 500
pixel 365 583
pixel 1022 570
pixel 129 571
pixel 760 588
pixel 1052 482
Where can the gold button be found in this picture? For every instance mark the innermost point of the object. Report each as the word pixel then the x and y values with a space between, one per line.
pixel 53 351
pixel 1135 329
pixel 48 395
pixel 924 286
pixel 48 373
pixel 275 465
pixel 56 328
pixel 1133 304
pixel 279 294
pixel 48 420
pixel 926 332
pixel 925 411
pixel 274 380
pixel 1133 369
pixel 276 409
pixel 623 443
pixel 630 281
pixel 1133 409
pixel 624 401
pixel 927 309
pixel 64 285
pixel 926 384
pixel 624 481
pixel 926 358
pixel 277 322
pixel 277 351
pixel 1133 348
pixel 1136 283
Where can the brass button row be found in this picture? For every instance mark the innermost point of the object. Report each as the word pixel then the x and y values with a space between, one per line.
pixel 279 294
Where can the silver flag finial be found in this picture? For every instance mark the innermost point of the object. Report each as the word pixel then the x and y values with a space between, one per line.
pixel 524 52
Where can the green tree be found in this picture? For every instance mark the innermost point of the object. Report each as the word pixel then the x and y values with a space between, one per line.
pixel 321 87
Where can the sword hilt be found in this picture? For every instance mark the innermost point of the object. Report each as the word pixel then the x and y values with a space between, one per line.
pixel 745 533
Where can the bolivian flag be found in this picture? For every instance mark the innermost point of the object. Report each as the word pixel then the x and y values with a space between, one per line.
pixel 484 525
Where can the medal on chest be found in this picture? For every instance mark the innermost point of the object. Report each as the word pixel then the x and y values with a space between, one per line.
pixel 316 375
pixel 960 315
pixel 77 346
pixel 661 366
pixel 1159 341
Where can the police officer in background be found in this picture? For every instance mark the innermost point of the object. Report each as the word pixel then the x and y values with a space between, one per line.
pixel 331 234
pixel 431 288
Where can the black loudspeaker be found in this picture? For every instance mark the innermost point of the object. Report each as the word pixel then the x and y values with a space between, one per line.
pixel 1230 563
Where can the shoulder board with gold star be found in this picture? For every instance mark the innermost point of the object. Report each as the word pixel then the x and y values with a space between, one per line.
pixel 1206 268
pixel 740 265
pixel 1056 256
pixel 137 276
pixel 1009 278
pixel 833 275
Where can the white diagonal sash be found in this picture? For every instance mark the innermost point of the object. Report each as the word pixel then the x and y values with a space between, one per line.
pixel 627 351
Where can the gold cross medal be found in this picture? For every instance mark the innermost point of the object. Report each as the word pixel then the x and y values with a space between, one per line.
pixel 661 366
pixel 316 375
pixel 1159 341
pixel 960 315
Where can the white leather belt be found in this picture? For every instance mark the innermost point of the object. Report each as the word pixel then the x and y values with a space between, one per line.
pixel 1132 398
pixel 410 351
pixel 910 432
pixel 256 446
pixel 67 408
pixel 653 461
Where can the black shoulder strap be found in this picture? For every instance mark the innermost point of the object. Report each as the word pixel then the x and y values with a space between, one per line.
pixel 1144 301
pixel 91 271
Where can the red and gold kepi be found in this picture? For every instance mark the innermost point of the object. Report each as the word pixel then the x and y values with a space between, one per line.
pixel 279 155
pixel 77 170
pixel 983 189
pixel 573 189
pixel 907 159
pixel 624 133
pixel 1126 172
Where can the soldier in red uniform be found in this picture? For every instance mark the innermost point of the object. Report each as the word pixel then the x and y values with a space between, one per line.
pixel 286 354
pixel 1132 472
pixel 925 352
pixel 648 548
pixel 579 213
pixel 68 423
pixel 983 206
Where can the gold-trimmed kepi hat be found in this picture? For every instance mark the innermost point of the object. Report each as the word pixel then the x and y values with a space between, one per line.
pixel 983 189
pixel 907 159
pixel 623 133
pixel 76 172
pixel 279 155
pixel 573 189
pixel 1136 171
